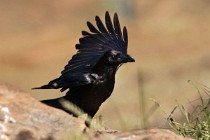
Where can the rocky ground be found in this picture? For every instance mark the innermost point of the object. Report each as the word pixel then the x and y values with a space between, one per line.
pixel 24 118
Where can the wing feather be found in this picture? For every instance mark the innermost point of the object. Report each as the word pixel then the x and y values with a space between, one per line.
pixel 92 28
pixel 108 22
pixel 100 25
pixel 85 33
pixel 117 26
pixel 125 36
pixel 93 45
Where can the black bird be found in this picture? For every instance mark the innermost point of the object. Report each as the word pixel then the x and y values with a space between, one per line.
pixel 90 75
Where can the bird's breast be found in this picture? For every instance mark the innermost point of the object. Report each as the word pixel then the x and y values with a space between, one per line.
pixel 103 90
pixel 90 97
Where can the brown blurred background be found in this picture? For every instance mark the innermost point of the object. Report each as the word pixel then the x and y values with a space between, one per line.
pixel 170 41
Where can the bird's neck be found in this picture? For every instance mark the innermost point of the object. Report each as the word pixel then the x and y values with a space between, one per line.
pixel 104 69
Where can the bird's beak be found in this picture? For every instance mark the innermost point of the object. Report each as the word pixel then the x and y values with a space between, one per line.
pixel 127 58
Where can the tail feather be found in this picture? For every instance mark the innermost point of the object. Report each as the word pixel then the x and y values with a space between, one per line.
pixel 44 87
pixel 51 85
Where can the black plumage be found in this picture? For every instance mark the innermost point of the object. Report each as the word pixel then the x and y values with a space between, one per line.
pixel 90 75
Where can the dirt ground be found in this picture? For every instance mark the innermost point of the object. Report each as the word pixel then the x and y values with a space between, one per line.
pixel 169 40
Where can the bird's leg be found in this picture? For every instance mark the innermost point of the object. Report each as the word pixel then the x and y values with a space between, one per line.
pixel 89 118
pixel 88 122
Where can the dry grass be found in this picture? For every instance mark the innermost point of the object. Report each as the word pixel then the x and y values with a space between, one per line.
pixel 196 123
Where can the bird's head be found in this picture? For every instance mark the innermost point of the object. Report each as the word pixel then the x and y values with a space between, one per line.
pixel 114 57
pixel 112 60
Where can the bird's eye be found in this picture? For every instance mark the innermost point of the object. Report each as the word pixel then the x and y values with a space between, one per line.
pixel 117 55
pixel 113 58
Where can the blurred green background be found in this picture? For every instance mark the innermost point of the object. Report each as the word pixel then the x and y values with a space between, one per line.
pixel 170 41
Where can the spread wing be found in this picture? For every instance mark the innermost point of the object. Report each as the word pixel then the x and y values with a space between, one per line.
pixel 95 43
pixel 92 46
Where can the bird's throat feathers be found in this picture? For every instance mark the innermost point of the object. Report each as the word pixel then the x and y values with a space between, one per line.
pixel 102 69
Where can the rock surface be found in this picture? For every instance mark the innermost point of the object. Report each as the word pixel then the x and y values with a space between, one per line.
pixel 24 118
pixel 150 134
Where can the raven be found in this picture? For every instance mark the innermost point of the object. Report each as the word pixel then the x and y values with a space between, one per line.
pixel 89 76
